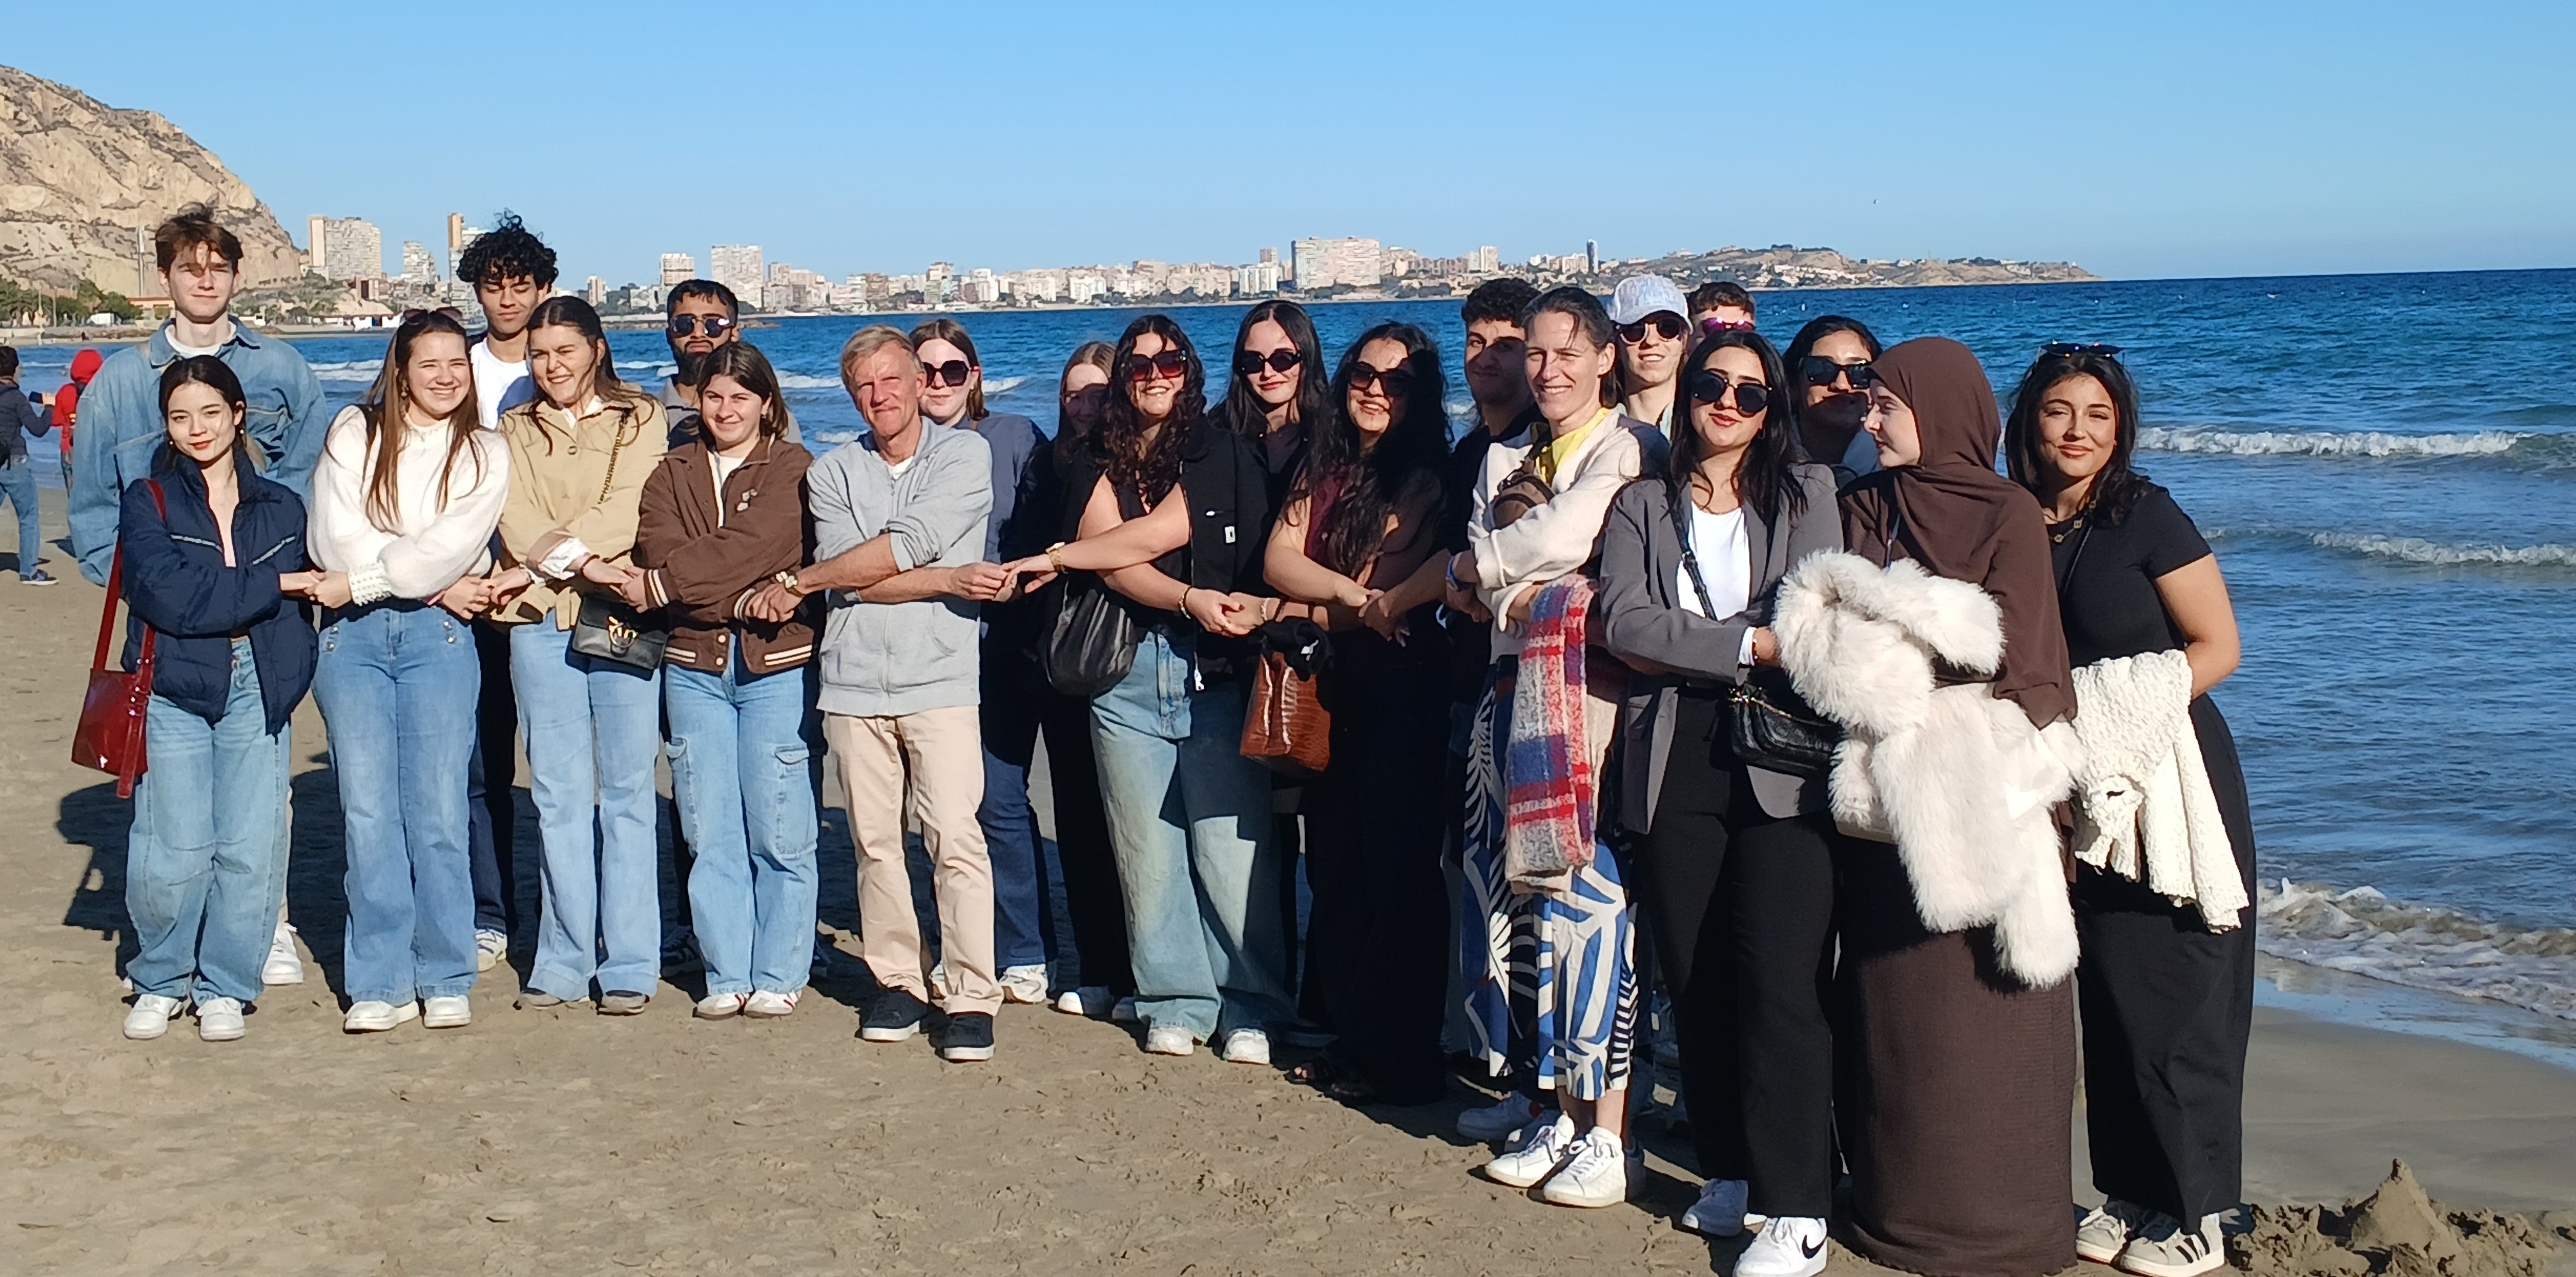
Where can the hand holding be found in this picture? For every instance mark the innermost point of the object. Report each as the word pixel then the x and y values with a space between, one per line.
pixel 632 591
pixel 1379 616
pixel 331 589
pixel 600 571
pixel 771 603
pixel 984 582
pixel 1766 646
pixel 297 584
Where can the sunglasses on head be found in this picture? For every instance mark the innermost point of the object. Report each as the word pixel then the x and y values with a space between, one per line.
pixel 954 373
pixel 1397 381
pixel 1169 363
pixel 687 325
pixel 1712 387
pixel 1716 324
pixel 2073 348
pixel 1817 370
pixel 1251 362
pixel 1670 325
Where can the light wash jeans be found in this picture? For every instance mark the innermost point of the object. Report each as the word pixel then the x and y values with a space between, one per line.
pixel 745 770
pixel 397 683
pixel 593 728
pixel 1189 821
pixel 18 484
pixel 205 862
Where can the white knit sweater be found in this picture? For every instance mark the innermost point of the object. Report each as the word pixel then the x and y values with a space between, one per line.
pixel 433 542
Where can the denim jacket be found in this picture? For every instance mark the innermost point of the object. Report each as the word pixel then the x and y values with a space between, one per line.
pixel 177 584
pixel 121 428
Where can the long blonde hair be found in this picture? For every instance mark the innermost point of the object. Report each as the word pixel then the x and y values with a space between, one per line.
pixel 387 409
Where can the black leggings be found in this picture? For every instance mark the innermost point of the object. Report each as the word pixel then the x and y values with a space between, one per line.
pixel 1740 908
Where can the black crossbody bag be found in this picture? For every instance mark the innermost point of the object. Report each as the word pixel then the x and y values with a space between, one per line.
pixel 1768 724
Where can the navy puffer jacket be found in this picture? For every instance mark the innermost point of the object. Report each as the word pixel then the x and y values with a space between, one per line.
pixel 176 582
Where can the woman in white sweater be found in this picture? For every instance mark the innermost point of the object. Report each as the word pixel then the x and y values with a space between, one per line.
pixel 405 498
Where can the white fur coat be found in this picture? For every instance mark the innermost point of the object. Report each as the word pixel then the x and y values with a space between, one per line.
pixel 2147 811
pixel 1958 779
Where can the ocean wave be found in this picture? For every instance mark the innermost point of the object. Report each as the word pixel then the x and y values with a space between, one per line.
pixel 2363 932
pixel 358 370
pixel 2418 550
pixel 2329 443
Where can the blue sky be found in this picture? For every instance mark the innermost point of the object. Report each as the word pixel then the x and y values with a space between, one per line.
pixel 2158 140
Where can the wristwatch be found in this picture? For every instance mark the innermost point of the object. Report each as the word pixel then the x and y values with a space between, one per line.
pixel 1055 557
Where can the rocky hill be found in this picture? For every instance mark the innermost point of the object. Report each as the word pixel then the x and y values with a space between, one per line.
pixel 1782 266
pixel 77 176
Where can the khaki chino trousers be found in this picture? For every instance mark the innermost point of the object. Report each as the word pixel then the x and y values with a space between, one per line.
pixel 943 751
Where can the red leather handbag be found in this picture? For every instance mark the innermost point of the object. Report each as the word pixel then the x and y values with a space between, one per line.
pixel 110 735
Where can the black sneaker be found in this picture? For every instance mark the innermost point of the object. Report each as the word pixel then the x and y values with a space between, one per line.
pixel 894 1015
pixel 37 577
pixel 969 1038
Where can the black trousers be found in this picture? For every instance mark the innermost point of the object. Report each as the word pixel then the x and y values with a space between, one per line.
pixel 1378 933
pixel 491 813
pixel 2168 1006
pixel 1740 907
pixel 1092 902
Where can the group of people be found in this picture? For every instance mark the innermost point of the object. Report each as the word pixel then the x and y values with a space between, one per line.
pixel 1691 665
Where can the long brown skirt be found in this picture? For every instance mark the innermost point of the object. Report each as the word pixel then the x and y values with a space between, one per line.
pixel 1958 1091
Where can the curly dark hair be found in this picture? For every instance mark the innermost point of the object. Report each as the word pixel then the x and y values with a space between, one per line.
pixel 1146 467
pixel 2117 486
pixel 506 251
pixel 1370 482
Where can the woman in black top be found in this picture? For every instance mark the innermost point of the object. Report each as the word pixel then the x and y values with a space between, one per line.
pixel 2167 1003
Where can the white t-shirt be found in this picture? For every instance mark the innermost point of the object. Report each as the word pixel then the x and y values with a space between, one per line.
pixel 1725 562
pixel 499 385
pixel 724 468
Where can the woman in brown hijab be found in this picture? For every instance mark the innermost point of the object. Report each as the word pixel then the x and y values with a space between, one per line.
pixel 1957 1081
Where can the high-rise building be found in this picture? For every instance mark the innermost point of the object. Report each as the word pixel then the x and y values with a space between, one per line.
pixel 347 248
pixel 678 267
pixel 418 266
pixel 1269 257
pixel 1324 263
pixel 455 238
pixel 939 271
pixel 1591 257
pixel 1485 260
pixel 595 291
pixel 1259 278
pixel 317 243
pixel 738 267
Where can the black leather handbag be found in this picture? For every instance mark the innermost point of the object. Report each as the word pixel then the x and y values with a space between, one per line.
pixel 1768 724
pixel 608 629
pixel 1091 641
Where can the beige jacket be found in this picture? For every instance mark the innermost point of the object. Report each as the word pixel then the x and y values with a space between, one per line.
pixel 574 487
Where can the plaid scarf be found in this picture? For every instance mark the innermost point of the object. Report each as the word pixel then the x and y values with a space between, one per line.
pixel 1547 770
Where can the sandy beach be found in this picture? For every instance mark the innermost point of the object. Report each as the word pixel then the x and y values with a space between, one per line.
pixel 569 1142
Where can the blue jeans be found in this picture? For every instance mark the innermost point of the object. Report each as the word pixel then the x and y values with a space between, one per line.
pixel 18 484
pixel 1189 821
pixel 1022 923
pixel 745 769
pixel 205 863
pixel 397 683
pixel 593 728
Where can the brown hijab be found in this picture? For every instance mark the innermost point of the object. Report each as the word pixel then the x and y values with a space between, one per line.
pixel 1954 515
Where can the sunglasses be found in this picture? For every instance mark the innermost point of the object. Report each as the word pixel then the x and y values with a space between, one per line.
pixel 687 325
pixel 1709 387
pixel 2071 348
pixel 954 372
pixel 1170 363
pixel 1398 382
pixel 1817 370
pixel 1670 325
pixel 1716 325
pixel 1250 362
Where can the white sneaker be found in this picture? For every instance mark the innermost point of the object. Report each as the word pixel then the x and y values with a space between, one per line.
pixel 1123 1011
pixel 219 1020
pixel 376 1017
pixel 1169 1039
pixel 1501 1118
pixel 2108 1227
pixel 284 966
pixel 766 1005
pixel 2163 1247
pixel 1091 1001
pixel 491 949
pixel 1790 1246
pixel 1026 985
pixel 1246 1046
pixel 938 983
pixel 1595 1173
pixel 150 1017
pixel 1535 1154
pixel 452 1011
pixel 719 1006
pixel 1719 1212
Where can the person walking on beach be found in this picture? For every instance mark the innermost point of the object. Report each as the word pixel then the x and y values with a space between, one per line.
pixel 723 514
pixel 591 714
pixel 405 501
pixel 2165 989
pixel 1538 513
pixel 1722 302
pixel 1649 312
pixel 1734 861
pixel 511 270
pixel 18 420
pixel 122 429
pixel 899 516
pixel 212 560
pixel 1172 510
pixel 1829 379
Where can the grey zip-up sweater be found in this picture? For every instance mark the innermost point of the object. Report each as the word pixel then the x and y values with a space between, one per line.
pixel 880 660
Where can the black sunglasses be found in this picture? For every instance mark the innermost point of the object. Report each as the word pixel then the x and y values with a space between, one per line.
pixel 1251 362
pixel 1397 381
pixel 2072 348
pixel 687 325
pixel 954 372
pixel 1170 363
pixel 1711 387
pixel 1817 370
pixel 1672 326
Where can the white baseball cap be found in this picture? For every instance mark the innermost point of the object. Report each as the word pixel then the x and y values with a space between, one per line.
pixel 1638 296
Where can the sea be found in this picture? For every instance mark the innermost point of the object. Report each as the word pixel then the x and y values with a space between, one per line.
pixel 2386 466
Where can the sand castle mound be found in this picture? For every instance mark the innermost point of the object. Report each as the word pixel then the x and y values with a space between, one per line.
pixel 2398 1232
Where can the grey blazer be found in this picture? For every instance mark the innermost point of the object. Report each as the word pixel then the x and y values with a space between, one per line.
pixel 1639 620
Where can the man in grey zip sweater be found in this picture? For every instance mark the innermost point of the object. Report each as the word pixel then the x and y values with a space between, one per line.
pixel 899 516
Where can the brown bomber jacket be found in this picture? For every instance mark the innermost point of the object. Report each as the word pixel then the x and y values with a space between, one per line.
pixel 698 567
